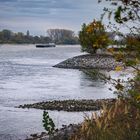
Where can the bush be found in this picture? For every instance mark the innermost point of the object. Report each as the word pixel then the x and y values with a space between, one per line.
pixel 118 122
pixel 48 123
pixel 93 37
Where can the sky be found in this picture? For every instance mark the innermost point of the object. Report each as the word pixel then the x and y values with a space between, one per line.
pixel 39 15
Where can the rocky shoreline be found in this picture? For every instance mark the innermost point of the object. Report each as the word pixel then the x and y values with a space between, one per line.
pixel 67 131
pixel 97 61
pixel 70 105
pixel 62 134
pixel 88 61
pixel 66 105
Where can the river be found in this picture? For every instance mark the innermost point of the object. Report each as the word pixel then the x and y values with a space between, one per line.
pixel 27 76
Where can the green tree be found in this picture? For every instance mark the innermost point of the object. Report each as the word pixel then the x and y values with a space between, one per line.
pixel 6 35
pixel 93 36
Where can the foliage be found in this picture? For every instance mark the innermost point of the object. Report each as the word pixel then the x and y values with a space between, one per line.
pixel 124 10
pixel 126 13
pixel 48 123
pixel 121 121
pixel 93 37
pixel 7 36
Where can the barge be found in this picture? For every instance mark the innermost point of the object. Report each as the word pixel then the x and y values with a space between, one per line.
pixel 45 45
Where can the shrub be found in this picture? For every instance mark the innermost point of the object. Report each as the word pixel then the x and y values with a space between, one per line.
pixel 118 122
pixel 93 37
pixel 48 123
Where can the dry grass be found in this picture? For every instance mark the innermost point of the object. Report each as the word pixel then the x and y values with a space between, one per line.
pixel 121 121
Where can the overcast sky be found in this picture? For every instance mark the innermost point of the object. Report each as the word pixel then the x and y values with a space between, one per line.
pixel 40 15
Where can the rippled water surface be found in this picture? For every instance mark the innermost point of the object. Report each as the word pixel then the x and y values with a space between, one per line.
pixel 27 76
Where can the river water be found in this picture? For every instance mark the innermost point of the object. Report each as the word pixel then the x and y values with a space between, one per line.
pixel 27 76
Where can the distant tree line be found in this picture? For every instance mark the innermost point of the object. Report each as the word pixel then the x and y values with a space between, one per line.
pixel 58 36
pixel 62 36
pixel 7 36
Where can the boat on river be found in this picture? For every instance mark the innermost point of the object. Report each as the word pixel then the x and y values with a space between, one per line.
pixel 45 45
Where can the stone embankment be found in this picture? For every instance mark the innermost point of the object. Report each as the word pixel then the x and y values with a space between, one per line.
pixel 88 61
pixel 71 105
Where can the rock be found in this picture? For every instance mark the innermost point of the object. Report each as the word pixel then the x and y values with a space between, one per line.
pixel 34 135
pixel 61 134
pixel 70 105
pixel 96 61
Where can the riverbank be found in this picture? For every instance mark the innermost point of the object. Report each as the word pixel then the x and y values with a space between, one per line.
pixel 98 61
pixel 70 105
pixel 62 134
pixel 88 61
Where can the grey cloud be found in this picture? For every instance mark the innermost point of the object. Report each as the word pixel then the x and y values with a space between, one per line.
pixel 63 13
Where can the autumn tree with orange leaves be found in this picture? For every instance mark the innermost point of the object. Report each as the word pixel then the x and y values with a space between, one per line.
pixel 93 36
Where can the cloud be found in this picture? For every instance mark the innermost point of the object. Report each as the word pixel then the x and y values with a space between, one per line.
pixel 38 14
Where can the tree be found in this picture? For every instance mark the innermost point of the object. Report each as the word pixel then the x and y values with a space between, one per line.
pixel 126 13
pixel 93 36
pixel 121 121
pixel 59 36
pixel 62 36
pixel 6 34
